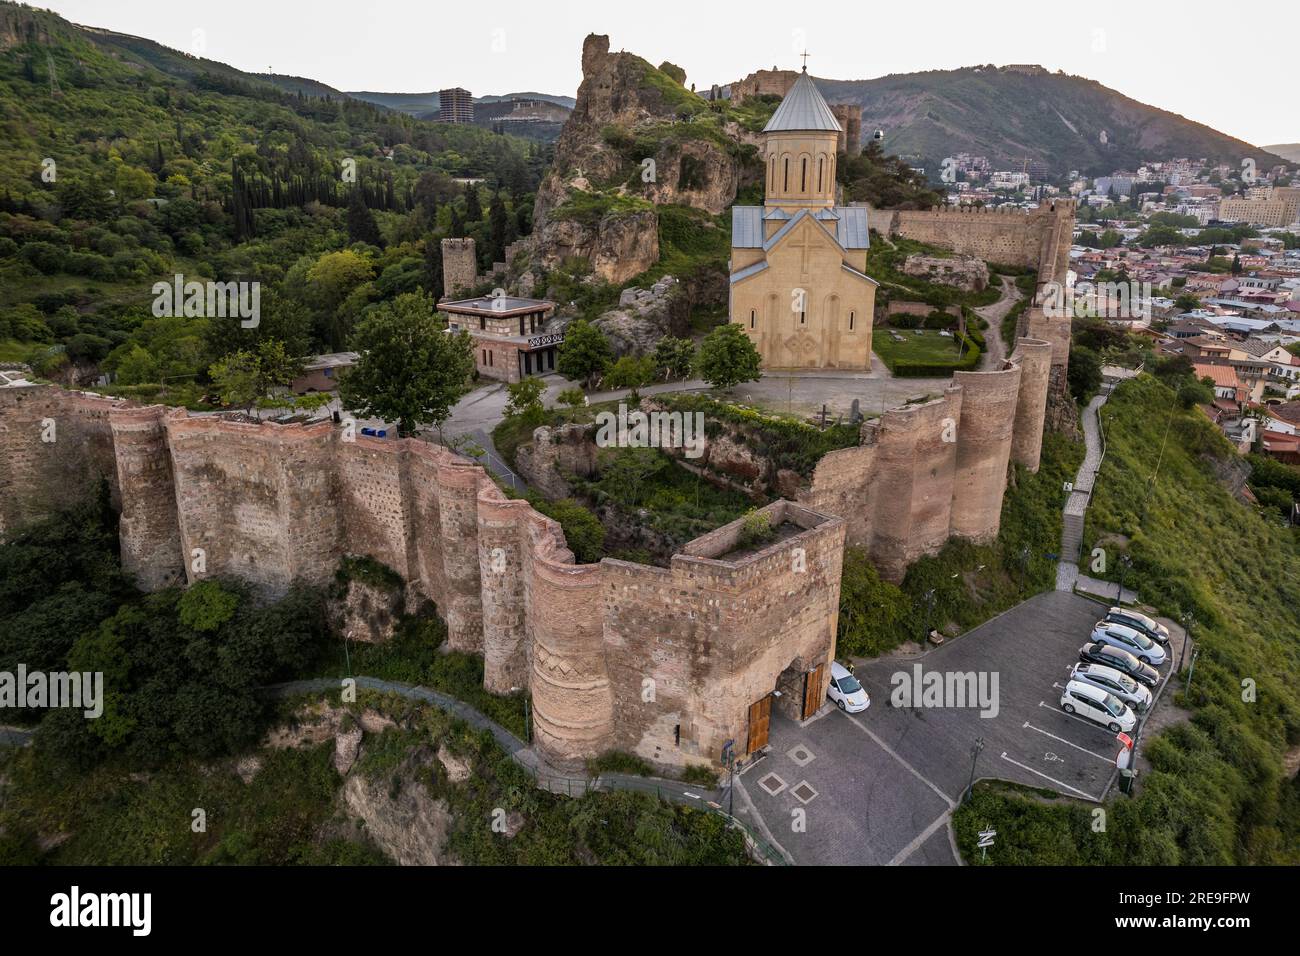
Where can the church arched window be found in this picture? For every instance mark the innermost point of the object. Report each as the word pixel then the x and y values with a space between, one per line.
pixel 821 162
pixel 852 318
pixel 786 186
pixel 753 317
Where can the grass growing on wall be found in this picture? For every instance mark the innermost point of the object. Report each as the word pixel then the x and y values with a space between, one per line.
pixel 1217 792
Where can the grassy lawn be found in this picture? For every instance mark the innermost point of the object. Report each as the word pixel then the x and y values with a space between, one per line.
pixel 921 346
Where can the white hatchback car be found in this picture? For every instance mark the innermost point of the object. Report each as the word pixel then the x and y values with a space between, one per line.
pixel 1098 705
pixel 844 689
pixel 1129 639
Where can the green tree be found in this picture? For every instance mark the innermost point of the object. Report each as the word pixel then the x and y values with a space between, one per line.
pixel 585 353
pixel 412 370
pixel 1084 376
pixel 728 357
pixel 572 397
pixel 361 221
pixel 675 358
pixel 525 397
pixel 631 373
pixel 137 367
pixel 473 208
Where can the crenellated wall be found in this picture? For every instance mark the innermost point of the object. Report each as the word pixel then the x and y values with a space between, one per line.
pixel 1037 238
pixel 664 662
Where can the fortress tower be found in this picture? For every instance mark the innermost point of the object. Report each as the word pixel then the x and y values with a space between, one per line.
pixel 459 267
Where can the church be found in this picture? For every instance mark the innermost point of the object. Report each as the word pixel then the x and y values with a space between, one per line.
pixel 798 285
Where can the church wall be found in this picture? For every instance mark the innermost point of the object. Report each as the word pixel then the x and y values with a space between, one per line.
pixel 823 340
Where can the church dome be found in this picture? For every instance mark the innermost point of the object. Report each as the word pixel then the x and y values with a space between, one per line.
pixel 803 109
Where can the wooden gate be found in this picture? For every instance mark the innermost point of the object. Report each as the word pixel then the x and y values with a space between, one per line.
pixel 813 691
pixel 760 719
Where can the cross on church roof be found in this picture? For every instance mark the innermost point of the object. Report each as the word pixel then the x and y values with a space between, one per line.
pixel 805 60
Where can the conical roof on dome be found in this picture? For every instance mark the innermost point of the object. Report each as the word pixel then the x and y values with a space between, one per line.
pixel 804 108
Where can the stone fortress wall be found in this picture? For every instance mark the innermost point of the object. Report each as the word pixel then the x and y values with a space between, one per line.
pixel 934 470
pixel 662 662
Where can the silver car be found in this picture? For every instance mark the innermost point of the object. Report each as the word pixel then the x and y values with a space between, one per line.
pixel 1128 639
pixel 1114 682
pixel 1140 622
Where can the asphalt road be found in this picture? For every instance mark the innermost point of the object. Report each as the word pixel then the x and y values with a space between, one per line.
pixel 880 786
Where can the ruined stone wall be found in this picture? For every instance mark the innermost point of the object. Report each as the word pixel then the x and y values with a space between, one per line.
pixel 1035 360
pixel 149 528
pixel 55 447
pixel 771 82
pixel 988 414
pixel 1036 238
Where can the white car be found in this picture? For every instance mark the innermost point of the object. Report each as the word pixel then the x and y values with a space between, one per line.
pixel 844 689
pixel 1113 682
pixel 1098 705
pixel 1129 639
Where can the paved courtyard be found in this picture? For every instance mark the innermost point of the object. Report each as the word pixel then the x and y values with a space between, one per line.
pixel 879 786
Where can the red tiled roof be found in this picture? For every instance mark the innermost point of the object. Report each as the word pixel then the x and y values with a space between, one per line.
pixel 1224 376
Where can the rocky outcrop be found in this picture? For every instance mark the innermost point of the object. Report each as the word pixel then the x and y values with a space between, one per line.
pixel 642 318
pixel 619 246
pixel 400 816
pixel 634 132
pixel 556 454
pixel 961 272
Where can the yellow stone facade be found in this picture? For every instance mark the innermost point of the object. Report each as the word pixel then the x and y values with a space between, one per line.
pixel 798 285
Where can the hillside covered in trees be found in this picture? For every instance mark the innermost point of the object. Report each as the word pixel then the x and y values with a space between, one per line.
pixel 123 164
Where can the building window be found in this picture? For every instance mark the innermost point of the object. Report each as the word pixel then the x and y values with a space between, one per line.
pixel 821 161
pixel 492 358
pixel 803 175
pixel 482 324
pixel 852 316
pixel 753 317
pixel 786 186
pixel 803 317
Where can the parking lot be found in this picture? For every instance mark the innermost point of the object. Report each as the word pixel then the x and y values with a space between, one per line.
pixel 878 787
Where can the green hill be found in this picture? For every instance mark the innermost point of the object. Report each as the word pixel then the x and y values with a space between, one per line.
pixel 1218 791
pixel 1012 116
pixel 123 162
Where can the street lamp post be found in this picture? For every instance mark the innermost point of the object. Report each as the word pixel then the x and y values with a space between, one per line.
pixel 1188 621
pixel 974 758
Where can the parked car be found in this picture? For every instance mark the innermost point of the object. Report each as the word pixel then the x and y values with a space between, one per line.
pixel 1135 642
pixel 844 689
pixel 1121 660
pixel 1140 622
pixel 1097 705
pixel 1114 682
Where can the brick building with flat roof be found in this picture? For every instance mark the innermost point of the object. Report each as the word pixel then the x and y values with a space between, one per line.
pixel 510 341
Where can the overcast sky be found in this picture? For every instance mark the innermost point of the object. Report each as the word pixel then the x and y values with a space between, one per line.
pixel 1177 56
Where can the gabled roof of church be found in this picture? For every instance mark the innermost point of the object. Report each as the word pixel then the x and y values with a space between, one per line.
pixel 847 223
pixel 804 108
